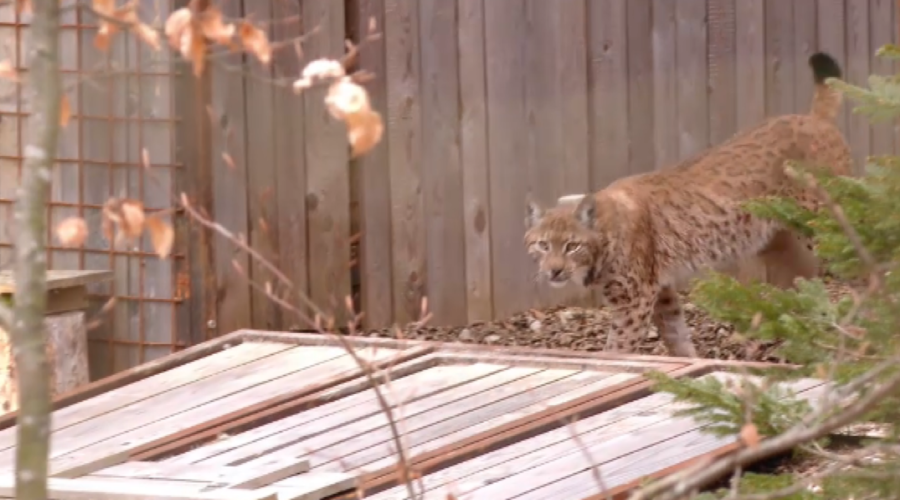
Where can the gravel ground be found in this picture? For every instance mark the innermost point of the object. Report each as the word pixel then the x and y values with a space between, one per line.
pixel 585 330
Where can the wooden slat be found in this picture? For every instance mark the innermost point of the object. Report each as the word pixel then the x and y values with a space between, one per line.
pixel 640 84
pixel 857 73
pixel 403 133
pixel 402 391
pixel 441 169
pixel 693 105
pixel 327 175
pixel 832 39
pixel 447 432
pixel 289 223
pixel 277 468
pixel 665 83
pixel 347 425
pixel 544 472
pixel 466 417
pixel 779 34
pixel 474 158
pixel 751 73
pixel 806 42
pixel 505 32
pixel 173 417
pixel 374 181
pixel 608 87
pixel 168 381
pixel 722 66
pixel 229 186
pixel 882 22
pixel 315 485
pixel 90 489
pixel 57 279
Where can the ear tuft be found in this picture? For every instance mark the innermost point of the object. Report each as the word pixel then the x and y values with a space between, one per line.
pixel 533 214
pixel 586 211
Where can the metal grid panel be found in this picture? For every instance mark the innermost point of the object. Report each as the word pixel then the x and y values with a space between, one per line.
pixel 122 102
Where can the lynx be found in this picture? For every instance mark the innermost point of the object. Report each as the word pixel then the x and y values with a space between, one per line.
pixel 644 237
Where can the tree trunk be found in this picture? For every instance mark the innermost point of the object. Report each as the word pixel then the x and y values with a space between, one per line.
pixel 27 331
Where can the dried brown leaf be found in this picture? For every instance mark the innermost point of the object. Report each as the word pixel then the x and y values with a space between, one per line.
pixel 214 28
pixel 176 27
pixel 65 111
pixel 133 218
pixel 229 161
pixel 72 232
pixel 364 132
pixel 7 71
pixel 255 41
pixel 750 435
pixel 23 6
pixel 345 98
pixel 162 236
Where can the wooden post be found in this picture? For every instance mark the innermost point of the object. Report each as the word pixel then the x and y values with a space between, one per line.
pixel 67 351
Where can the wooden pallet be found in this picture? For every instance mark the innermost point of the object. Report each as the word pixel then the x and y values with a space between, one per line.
pixel 275 415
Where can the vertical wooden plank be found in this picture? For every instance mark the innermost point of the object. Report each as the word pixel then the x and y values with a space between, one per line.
pixel 289 160
pixel 693 104
pixel 327 172
pixel 806 43
pixel 722 59
pixel 665 84
pixel 779 57
pixel 441 169
pixel 229 187
pixel 832 22
pixel 401 24
pixel 640 84
pixel 261 180
pixel 751 75
pixel 474 157
pixel 505 32
pixel 882 22
pixel 608 91
pixel 374 181
pixel 858 55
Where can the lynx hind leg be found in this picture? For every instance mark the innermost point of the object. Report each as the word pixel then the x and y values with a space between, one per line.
pixel 788 256
pixel 668 317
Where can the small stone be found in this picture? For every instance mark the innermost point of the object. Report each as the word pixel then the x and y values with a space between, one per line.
pixel 652 333
pixel 688 307
pixel 721 331
pixel 466 335
pixel 492 339
pixel 535 326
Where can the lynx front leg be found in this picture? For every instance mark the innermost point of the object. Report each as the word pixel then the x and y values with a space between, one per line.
pixel 668 317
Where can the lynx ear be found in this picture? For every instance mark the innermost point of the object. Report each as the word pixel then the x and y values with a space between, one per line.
pixel 533 213
pixel 586 211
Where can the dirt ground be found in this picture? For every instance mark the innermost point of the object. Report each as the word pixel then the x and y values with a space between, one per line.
pixel 585 330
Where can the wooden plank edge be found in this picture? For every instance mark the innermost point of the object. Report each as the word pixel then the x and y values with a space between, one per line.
pixel 522 428
pixel 135 374
pixel 280 406
pixel 86 489
pixel 311 338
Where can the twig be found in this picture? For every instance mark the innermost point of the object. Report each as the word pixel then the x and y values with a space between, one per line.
pixel 595 470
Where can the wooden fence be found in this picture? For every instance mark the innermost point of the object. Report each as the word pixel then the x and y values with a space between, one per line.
pixel 487 101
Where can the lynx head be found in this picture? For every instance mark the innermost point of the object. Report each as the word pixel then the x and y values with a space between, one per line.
pixel 563 242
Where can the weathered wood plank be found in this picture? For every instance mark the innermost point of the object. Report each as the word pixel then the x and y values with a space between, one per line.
pixel 779 35
pixel 327 175
pixel 95 489
pixel 468 417
pixel 315 485
pixel 289 115
pixel 722 66
pixel 608 91
pixel 505 31
pixel 57 279
pixel 374 181
pixel 429 438
pixel 806 42
pixel 279 467
pixel 751 73
pixel 454 401
pixel 85 453
pixel 881 17
pixel 857 73
pixel 171 380
pixel 317 420
pixel 474 157
pixel 441 168
pixel 404 129
pixel 693 104
pixel 832 39
pixel 640 85
pixel 665 84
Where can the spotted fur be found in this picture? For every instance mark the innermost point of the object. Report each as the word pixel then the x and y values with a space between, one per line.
pixel 642 238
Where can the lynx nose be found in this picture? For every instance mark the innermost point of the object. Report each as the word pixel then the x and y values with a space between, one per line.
pixel 555 274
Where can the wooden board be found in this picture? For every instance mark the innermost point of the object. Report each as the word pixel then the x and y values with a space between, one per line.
pixel 58 279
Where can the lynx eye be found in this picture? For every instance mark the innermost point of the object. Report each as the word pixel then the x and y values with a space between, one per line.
pixel 543 246
pixel 572 246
